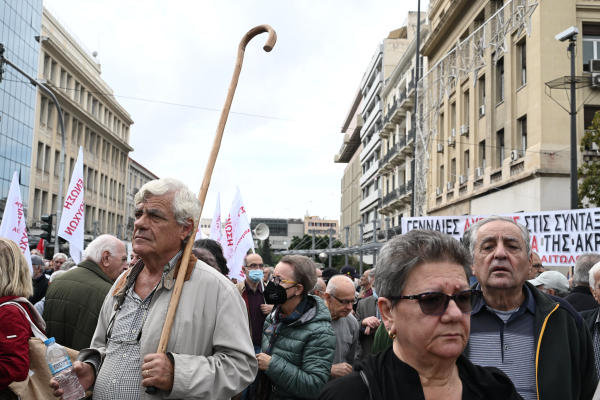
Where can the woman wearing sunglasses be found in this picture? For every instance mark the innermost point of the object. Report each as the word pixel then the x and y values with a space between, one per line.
pixel 425 304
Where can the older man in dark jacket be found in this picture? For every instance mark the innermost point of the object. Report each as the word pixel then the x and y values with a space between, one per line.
pixel 74 299
pixel 541 343
pixel 581 297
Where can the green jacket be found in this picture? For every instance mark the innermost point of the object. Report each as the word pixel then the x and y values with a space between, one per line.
pixel 382 340
pixel 303 353
pixel 73 303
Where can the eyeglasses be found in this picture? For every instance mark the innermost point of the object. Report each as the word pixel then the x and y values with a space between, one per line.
pixel 434 303
pixel 344 302
pixel 277 280
pixel 255 266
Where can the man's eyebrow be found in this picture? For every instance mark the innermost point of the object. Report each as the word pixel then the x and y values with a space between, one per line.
pixel 156 211
pixel 487 239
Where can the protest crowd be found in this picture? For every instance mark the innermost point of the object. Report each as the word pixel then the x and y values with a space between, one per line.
pixel 435 318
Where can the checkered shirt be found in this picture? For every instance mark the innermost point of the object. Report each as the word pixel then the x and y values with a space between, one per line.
pixel 120 374
pixel 597 342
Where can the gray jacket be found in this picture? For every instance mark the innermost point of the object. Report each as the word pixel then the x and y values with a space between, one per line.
pixel 210 342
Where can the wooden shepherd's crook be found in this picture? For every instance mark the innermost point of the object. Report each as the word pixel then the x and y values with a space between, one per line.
pixel 164 337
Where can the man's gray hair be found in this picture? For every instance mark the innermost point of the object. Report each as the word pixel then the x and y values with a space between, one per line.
pixel 593 270
pixel 334 283
pixel 60 255
pixel 471 233
pixel 371 274
pixel 402 254
pixel 583 265
pixel 101 244
pixel 320 286
pixel 67 265
pixel 185 203
pixel 55 275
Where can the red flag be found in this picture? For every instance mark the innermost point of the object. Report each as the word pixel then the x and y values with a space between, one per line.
pixel 40 246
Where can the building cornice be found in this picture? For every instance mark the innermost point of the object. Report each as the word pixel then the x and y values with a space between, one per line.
pixel 437 34
pixel 132 162
pixel 75 109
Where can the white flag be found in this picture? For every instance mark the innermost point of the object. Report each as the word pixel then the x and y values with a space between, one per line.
pixel 215 226
pixel 71 220
pixel 228 242
pixel 13 221
pixel 243 242
pixel 198 232
pixel 233 242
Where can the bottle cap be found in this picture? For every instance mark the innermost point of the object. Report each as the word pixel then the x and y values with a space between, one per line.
pixel 49 341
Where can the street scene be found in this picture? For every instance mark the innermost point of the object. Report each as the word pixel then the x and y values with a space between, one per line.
pixel 281 201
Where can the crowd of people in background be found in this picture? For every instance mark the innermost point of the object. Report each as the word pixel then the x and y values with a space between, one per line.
pixel 433 319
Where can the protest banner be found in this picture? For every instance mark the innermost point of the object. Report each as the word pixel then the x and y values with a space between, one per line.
pixel 558 237
pixel 71 222
pixel 13 221
pixel 235 236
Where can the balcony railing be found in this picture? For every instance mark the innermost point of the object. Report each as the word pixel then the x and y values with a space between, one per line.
pixel 411 134
pixel 411 85
pixel 391 109
pixel 391 196
pixel 391 153
pixel 402 96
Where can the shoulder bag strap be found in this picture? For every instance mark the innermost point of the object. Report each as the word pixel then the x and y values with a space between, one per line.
pixel 366 381
pixel 36 331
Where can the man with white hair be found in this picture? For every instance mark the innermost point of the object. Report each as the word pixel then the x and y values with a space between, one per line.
pixel 534 339
pixel 57 262
pixel 591 317
pixel 209 354
pixel 74 299
pixel 319 289
pixel 339 299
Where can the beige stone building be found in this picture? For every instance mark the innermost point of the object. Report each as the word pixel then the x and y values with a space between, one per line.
pixel 320 226
pixel 501 144
pixel 349 154
pixel 93 119
pixel 398 131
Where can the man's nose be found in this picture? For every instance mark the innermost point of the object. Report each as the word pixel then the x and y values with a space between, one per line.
pixel 500 251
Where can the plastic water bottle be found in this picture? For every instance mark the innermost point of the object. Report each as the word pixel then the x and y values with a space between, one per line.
pixel 62 370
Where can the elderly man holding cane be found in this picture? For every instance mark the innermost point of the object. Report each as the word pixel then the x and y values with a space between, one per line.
pixel 209 354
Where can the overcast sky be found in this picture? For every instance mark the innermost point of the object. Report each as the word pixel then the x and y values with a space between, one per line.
pixel 184 51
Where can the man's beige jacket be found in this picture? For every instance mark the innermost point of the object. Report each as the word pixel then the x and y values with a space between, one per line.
pixel 210 342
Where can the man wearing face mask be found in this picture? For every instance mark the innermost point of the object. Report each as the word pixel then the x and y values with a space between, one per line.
pixel 251 290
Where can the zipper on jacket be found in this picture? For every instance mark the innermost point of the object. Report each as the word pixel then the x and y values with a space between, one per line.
pixel 537 353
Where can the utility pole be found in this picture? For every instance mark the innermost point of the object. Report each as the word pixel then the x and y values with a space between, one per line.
pixel 387 228
pixel 413 116
pixel 573 113
pixel 374 241
pixel 61 177
pixel 330 244
pixel 347 228
pixel 360 228
pixel 313 242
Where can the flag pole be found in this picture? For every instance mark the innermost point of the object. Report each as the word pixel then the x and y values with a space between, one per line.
pixel 164 338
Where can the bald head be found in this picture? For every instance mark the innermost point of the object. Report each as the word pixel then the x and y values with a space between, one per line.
pixel 339 283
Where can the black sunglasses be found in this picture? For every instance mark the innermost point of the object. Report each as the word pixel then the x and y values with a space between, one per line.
pixel 435 303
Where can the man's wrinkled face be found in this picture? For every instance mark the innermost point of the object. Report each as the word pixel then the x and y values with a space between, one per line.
pixel 364 279
pixel 501 260
pixel 117 263
pixel 537 267
pixel 156 231
pixel 57 263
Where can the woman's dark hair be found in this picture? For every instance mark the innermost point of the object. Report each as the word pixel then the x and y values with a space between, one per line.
pixel 217 251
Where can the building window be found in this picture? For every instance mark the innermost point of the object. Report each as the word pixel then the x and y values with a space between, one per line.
pixel 441 178
pixel 466 164
pixel 466 108
pixel 56 162
pixel 589 112
pixel 481 84
pixel 523 66
pixel 500 80
pixel 523 129
pixel 591 44
pixel 499 148
pixel 452 177
pixel 482 154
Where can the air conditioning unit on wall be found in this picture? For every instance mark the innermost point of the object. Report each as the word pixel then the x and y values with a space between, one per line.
pixel 481 111
pixel 462 179
pixel 464 130
pixel 479 172
pixel 438 191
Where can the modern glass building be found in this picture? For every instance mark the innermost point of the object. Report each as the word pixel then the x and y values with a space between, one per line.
pixel 20 23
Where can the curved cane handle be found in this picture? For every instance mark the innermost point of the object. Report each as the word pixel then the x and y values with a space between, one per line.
pixel 271 40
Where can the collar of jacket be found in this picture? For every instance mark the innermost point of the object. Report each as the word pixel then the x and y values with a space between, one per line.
pixel 582 289
pixel 167 282
pixel 95 268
